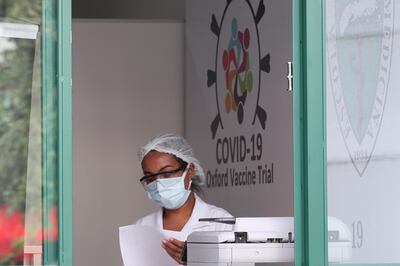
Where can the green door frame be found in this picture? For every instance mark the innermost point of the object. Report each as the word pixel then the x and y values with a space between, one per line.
pixel 309 133
pixel 57 126
pixel 65 130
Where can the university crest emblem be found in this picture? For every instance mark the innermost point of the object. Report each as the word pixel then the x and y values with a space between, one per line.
pixel 359 51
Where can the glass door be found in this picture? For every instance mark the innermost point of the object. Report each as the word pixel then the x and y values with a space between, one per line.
pixel 32 200
pixel 363 148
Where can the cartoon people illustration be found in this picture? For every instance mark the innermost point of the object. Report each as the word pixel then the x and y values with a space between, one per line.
pixel 238 76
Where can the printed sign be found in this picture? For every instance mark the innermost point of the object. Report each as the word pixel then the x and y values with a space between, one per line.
pixel 238 109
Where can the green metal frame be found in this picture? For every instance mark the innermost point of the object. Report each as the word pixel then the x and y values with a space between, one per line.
pixel 57 127
pixel 49 133
pixel 65 130
pixel 309 133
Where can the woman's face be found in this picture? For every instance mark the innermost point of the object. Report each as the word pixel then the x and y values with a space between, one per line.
pixel 155 162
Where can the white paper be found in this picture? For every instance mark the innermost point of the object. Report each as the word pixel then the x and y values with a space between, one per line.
pixel 141 245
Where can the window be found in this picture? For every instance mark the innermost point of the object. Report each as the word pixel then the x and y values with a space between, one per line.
pixel 34 132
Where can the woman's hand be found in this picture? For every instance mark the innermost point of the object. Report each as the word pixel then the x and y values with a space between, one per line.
pixel 174 249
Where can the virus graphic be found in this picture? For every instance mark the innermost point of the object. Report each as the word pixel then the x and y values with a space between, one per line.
pixel 237 74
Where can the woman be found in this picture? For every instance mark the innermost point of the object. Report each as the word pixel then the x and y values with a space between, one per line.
pixel 172 179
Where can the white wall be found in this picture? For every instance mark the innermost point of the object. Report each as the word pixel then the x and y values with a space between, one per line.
pixel 127 87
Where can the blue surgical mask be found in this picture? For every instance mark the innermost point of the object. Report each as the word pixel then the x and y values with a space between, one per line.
pixel 169 193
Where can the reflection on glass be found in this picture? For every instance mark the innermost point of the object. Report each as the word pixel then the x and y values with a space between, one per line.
pixel 362 125
pixel 26 225
pixel 17 56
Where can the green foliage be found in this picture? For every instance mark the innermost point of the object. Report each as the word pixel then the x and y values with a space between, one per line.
pixel 16 73
pixel 22 10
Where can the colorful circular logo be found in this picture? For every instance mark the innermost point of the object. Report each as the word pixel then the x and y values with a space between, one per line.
pixel 238 66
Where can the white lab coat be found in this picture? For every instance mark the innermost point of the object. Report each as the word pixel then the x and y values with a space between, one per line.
pixel 201 210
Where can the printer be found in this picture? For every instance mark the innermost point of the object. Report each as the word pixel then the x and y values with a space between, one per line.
pixel 259 240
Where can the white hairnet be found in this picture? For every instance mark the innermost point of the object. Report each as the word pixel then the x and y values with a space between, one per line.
pixel 178 146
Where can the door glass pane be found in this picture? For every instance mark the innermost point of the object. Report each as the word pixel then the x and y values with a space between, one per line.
pixel 363 153
pixel 27 222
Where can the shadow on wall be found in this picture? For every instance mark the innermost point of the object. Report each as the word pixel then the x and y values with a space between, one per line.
pixel 129 9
